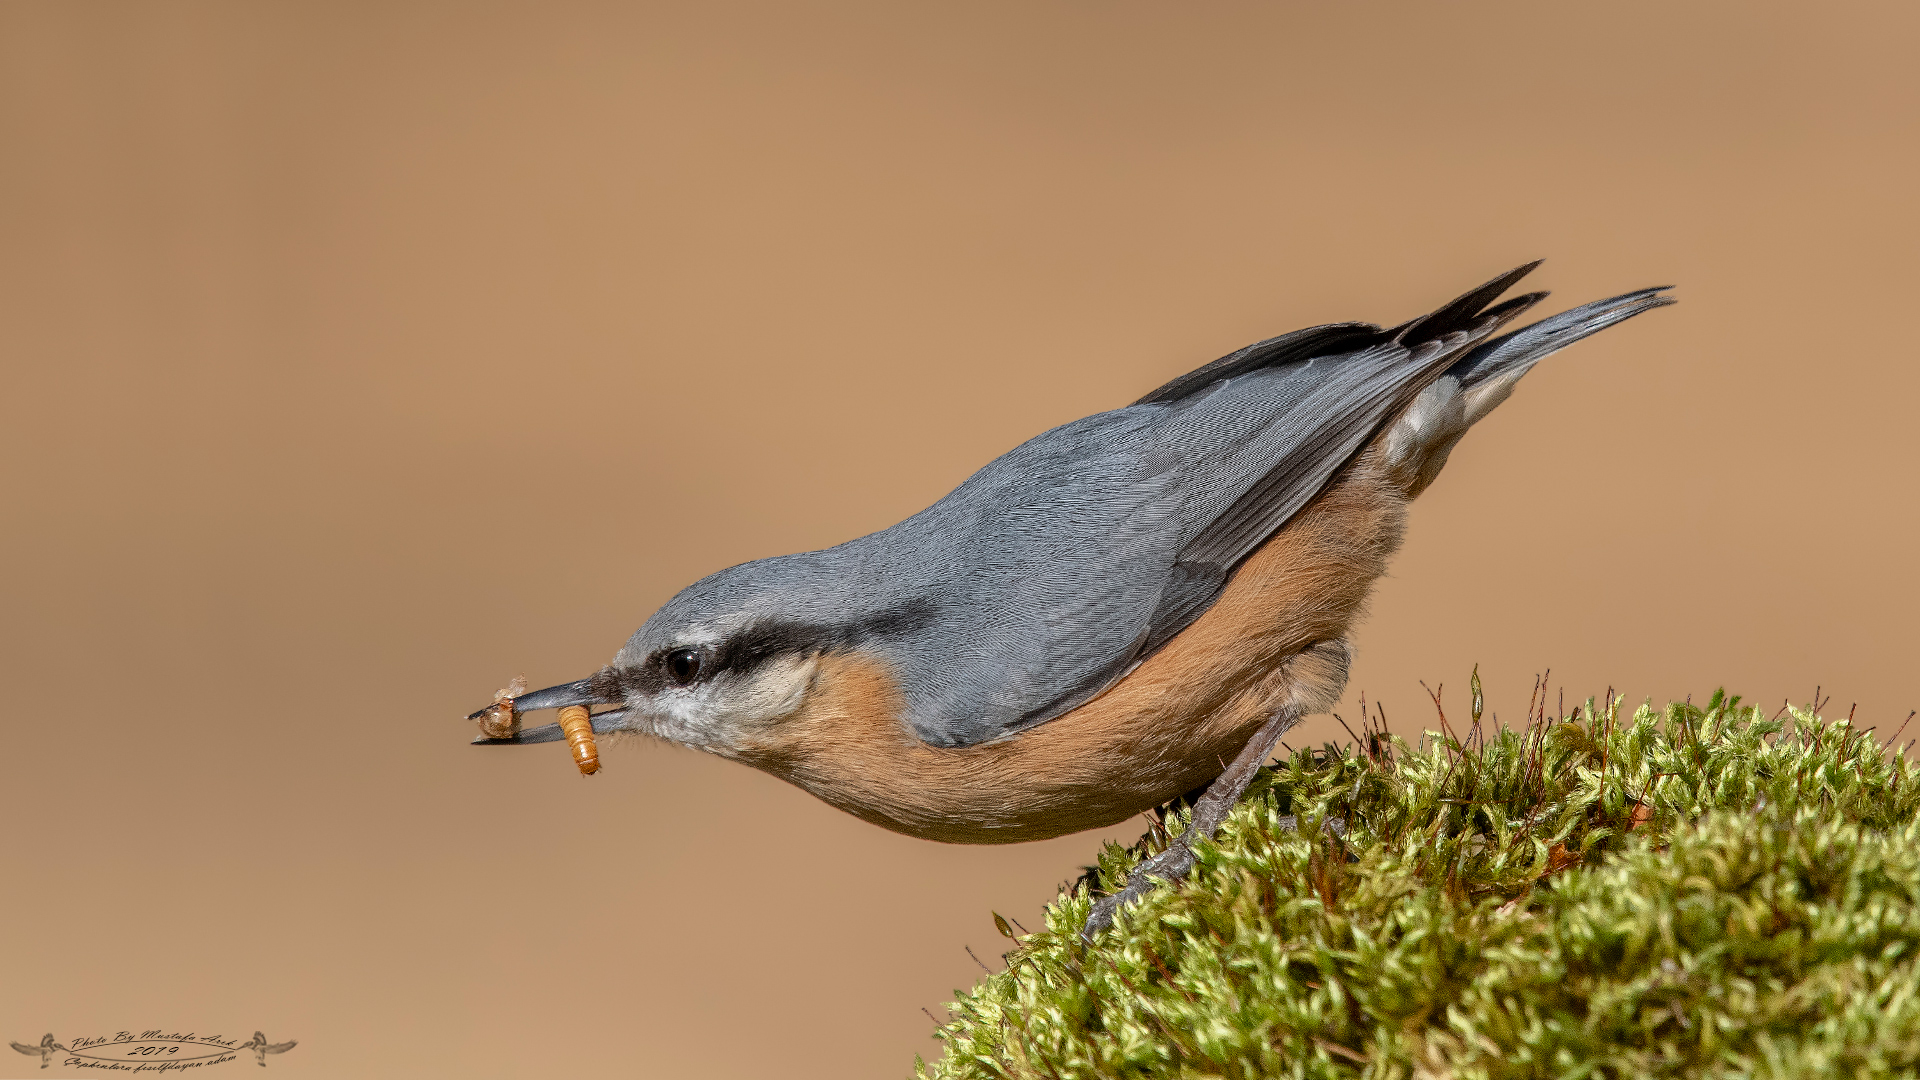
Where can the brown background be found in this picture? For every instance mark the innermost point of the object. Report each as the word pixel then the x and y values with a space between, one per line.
pixel 358 356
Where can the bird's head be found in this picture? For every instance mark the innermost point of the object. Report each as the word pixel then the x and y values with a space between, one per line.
pixel 730 656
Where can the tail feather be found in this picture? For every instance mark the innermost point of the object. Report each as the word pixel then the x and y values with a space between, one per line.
pixel 1467 313
pixel 1418 442
pixel 1514 353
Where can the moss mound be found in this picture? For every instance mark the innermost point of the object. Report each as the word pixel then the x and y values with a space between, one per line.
pixel 1689 892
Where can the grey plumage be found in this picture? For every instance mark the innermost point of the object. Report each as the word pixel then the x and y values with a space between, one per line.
pixel 1051 572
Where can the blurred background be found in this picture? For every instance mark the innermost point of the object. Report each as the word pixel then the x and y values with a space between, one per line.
pixel 360 356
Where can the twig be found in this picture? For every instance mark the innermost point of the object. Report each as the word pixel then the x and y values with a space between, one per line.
pixel 1350 734
pixel 1166 975
pixel 1335 1048
pixel 976 959
pixel 1593 722
pixel 1896 734
pixel 1452 739
pixel 1437 707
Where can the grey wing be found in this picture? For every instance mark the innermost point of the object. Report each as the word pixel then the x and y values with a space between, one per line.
pixel 1078 554
pixel 1319 411
pixel 280 1048
pixel 24 1048
pixel 1048 562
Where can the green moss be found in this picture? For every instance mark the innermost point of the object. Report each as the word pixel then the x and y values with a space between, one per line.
pixel 1693 892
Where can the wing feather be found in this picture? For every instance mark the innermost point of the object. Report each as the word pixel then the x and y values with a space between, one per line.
pixel 1300 345
pixel 1357 395
pixel 1083 551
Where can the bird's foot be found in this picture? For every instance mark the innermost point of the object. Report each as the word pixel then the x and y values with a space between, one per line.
pixel 1176 861
pixel 1170 865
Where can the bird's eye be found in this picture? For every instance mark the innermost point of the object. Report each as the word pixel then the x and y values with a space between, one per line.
pixel 684 665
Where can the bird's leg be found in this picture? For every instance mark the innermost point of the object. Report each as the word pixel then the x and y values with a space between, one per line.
pixel 1173 863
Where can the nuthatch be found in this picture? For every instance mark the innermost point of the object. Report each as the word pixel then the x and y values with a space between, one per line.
pixel 1121 610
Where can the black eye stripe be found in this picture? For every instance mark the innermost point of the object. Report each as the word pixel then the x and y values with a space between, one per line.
pixel 688 664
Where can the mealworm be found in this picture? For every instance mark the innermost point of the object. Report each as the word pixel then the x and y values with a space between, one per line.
pixel 578 724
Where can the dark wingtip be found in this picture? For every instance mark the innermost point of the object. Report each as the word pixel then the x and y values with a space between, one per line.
pixel 1508 310
pixel 1455 314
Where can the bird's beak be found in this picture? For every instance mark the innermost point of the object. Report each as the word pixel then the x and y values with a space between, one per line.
pixel 580 692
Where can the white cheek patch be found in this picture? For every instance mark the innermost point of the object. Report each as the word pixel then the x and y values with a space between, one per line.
pixel 714 713
pixel 773 691
pixel 684 717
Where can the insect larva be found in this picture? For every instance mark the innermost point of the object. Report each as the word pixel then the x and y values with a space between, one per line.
pixel 500 722
pixel 578 725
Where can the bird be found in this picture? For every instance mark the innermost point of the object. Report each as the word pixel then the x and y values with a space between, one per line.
pixel 261 1048
pixel 1127 608
pixel 46 1049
